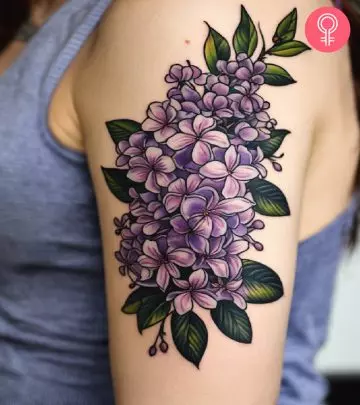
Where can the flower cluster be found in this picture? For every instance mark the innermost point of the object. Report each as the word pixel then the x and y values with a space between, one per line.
pixel 195 154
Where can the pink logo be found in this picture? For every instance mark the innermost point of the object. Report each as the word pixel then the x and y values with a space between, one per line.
pixel 327 29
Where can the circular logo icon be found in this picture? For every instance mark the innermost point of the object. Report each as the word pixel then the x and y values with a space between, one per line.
pixel 327 29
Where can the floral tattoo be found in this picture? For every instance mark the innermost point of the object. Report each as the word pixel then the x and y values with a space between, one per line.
pixel 192 173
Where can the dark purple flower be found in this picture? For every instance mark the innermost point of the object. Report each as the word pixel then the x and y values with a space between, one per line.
pixel 205 212
pixel 264 125
pixel 159 257
pixel 233 171
pixel 154 169
pixel 194 290
pixel 178 189
pixel 213 104
pixel 162 119
pixel 198 134
pixel 245 133
pixel 179 74
pixel 214 258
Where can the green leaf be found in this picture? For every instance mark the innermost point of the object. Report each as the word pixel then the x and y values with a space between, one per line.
pixel 286 29
pixel 269 199
pixel 270 146
pixel 245 38
pixel 261 285
pixel 190 336
pixel 287 49
pixel 232 321
pixel 134 300
pixel 153 309
pixel 275 75
pixel 119 184
pixel 216 48
pixel 120 130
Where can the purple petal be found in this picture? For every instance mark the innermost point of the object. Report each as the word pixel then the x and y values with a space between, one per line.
pixel 151 249
pixel 165 164
pixel 231 158
pixel 219 267
pixel 244 173
pixel 234 285
pixel 152 154
pixel 186 127
pixel 151 125
pixel 162 277
pixel 202 123
pixel 208 100
pixel 233 205
pixel 198 279
pixel 237 247
pixel 231 188
pixel 146 261
pixel 180 141
pixel 216 138
pixel 163 134
pixel 190 94
pixel 138 174
pixel 184 284
pixel 182 257
pixel 204 299
pixel 192 205
pixel 193 182
pixel 164 179
pixel 151 183
pixel 138 161
pixel 243 74
pixel 172 269
pixel 151 228
pixel 239 300
pixel 179 224
pixel 202 227
pixel 220 102
pixel 156 112
pixel 172 202
pixel 214 170
pixel 201 153
pixel 220 89
pixel 178 186
pixel 235 264
pixel 198 243
pixel 183 303
pixel 219 226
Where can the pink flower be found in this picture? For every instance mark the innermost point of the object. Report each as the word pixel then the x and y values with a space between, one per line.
pixel 234 173
pixel 161 119
pixel 154 169
pixel 194 290
pixel 180 74
pixel 198 134
pixel 158 257
pixel 230 290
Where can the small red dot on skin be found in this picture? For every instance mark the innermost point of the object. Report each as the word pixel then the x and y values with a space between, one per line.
pixel 187 41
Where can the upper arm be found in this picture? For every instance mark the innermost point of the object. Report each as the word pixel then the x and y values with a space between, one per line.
pixel 206 224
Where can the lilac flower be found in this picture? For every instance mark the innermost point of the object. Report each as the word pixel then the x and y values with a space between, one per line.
pixel 205 212
pixel 232 170
pixel 245 133
pixel 213 104
pixel 246 101
pixel 243 69
pixel 122 161
pixel 178 189
pixel 233 250
pixel 198 134
pixel 264 124
pixel 194 290
pixel 253 158
pixel 135 146
pixel 154 169
pixel 179 74
pixel 161 119
pixel 214 258
pixel 153 217
pixel 230 291
pixel 188 234
pixel 158 257
pixel 126 258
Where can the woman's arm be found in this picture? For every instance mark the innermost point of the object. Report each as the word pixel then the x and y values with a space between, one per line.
pixel 197 135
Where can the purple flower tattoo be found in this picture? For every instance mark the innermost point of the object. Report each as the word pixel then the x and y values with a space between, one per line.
pixel 193 174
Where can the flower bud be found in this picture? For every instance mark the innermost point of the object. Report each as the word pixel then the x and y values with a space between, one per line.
pixel 259 246
pixel 164 347
pixel 258 224
pixel 152 351
pixel 277 167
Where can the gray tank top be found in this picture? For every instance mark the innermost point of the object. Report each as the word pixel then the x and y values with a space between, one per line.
pixel 53 332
